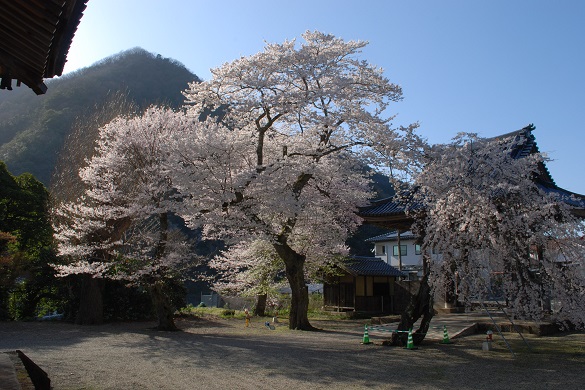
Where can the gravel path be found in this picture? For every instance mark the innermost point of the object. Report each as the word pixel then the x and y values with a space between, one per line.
pixel 223 354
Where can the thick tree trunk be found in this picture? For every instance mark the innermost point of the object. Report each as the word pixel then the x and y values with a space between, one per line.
pixel 158 290
pixel 162 306
pixel 421 305
pixel 91 307
pixel 260 308
pixel 299 304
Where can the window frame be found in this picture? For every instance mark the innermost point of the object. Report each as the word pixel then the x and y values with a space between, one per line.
pixel 403 250
pixel 417 249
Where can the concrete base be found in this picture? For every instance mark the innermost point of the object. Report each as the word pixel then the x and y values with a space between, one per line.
pixel 8 379
pixel 539 329
pixel 18 372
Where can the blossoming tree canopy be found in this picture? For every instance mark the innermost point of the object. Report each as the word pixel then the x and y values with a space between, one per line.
pixel 299 123
pixel 247 268
pixel 119 228
pixel 499 231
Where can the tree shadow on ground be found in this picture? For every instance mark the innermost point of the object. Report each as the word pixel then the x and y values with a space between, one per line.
pixel 257 357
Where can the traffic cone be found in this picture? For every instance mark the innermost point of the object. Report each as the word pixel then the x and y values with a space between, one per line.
pixel 445 336
pixel 410 343
pixel 366 339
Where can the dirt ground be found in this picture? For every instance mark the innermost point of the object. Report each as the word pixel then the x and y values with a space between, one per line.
pixel 223 354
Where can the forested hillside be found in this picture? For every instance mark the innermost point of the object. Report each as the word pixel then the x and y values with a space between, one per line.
pixel 33 128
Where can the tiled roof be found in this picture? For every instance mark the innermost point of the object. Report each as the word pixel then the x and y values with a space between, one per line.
pixel 370 266
pixel 575 201
pixel 385 206
pixel 388 213
pixel 35 36
pixel 392 236
pixel 523 143
pixel 528 144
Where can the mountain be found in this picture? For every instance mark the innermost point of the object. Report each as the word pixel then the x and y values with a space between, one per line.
pixel 34 128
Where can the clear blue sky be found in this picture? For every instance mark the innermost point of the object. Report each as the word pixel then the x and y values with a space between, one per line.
pixel 488 67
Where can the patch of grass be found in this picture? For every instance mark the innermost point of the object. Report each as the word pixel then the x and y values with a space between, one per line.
pixel 315 312
pixel 328 315
pixel 562 345
pixel 214 312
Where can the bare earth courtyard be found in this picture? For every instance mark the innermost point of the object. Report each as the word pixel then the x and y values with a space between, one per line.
pixel 223 354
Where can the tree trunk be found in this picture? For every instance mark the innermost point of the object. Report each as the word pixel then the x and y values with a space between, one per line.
pixel 299 304
pixel 260 308
pixel 450 284
pixel 158 290
pixel 421 305
pixel 162 306
pixel 91 307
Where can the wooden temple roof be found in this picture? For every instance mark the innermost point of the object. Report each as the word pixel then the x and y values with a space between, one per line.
pixel 387 213
pixel 370 266
pixel 525 148
pixel 392 236
pixel 391 213
pixel 35 36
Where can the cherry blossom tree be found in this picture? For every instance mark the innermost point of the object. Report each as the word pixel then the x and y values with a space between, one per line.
pixel 282 163
pixel 255 269
pixel 494 222
pixel 67 187
pixel 119 228
pixel 248 269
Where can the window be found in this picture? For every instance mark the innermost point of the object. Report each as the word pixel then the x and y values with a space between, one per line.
pixel 417 250
pixel 402 250
pixel 380 250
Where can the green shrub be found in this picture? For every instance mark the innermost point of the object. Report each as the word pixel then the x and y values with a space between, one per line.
pixel 315 303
